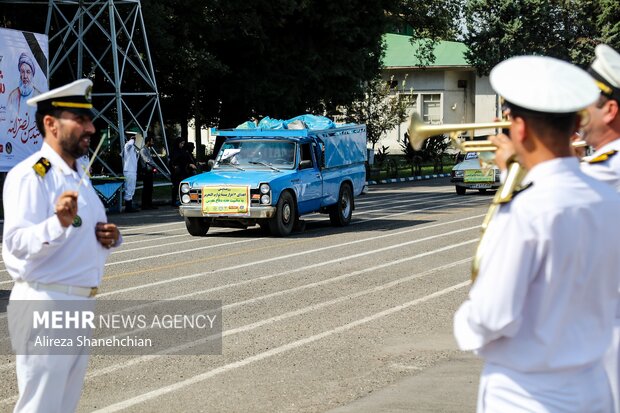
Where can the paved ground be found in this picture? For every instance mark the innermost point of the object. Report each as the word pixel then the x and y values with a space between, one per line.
pixel 354 319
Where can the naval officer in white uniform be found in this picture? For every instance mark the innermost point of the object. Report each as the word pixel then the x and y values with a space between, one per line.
pixel 541 311
pixel 56 238
pixel 602 132
pixel 130 170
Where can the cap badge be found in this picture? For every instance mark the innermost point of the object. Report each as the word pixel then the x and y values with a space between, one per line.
pixel 88 93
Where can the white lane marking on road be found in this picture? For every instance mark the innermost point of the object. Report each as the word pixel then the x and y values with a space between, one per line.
pixel 356 222
pixel 252 326
pixel 190 239
pixel 183 251
pixel 260 262
pixel 311 266
pixel 274 352
pixel 150 257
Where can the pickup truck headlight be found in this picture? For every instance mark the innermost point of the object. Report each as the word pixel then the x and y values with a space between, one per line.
pixel 265 199
pixel 185 189
pixel 457 174
pixel 185 198
pixel 264 189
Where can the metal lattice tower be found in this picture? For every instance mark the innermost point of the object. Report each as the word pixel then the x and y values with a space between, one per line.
pixel 106 41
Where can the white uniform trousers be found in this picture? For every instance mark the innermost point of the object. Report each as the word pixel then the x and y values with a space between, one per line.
pixel 612 366
pixel 503 390
pixel 48 383
pixel 130 185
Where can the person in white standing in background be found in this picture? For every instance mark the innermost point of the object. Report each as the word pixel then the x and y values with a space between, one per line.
pixel 56 240
pixel 542 309
pixel 602 132
pixel 130 170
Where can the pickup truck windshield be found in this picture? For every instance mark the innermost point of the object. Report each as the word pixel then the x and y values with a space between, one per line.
pixel 257 154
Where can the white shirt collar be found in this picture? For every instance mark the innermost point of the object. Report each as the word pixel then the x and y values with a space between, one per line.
pixel 613 145
pixel 56 160
pixel 552 167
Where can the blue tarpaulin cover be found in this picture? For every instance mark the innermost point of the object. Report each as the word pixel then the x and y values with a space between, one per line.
pixel 311 122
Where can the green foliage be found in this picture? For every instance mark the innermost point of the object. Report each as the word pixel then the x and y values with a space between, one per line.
pixel 382 155
pixel 499 29
pixel 433 150
pixel 608 23
pixel 233 59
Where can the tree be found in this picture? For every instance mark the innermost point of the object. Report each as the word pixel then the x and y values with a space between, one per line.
pixel 379 110
pixel 427 23
pixel 499 29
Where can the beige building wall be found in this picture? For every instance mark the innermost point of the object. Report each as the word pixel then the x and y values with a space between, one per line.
pixel 441 96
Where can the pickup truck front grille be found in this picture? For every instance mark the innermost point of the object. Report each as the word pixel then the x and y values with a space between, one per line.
pixel 195 195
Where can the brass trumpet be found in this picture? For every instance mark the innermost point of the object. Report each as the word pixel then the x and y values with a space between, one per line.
pixel 419 131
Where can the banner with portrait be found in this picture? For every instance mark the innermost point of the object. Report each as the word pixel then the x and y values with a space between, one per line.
pixel 23 75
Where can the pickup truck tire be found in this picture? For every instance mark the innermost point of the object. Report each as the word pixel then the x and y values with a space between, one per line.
pixel 283 221
pixel 460 190
pixel 197 227
pixel 340 214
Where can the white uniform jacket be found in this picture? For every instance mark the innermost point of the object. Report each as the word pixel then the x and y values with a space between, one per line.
pixel 130 158
pixel 35 246
pixel 607 170
pixel 546 293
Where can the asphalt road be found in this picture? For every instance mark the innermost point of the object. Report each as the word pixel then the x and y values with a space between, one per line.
pixel 354 319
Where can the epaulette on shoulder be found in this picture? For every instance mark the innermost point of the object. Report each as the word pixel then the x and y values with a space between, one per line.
pixel 42 167
pixel 603 157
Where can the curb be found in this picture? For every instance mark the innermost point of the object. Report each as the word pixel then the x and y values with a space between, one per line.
pixel 408 179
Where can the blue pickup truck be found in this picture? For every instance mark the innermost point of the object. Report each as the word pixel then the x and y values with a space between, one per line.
pixel 272 177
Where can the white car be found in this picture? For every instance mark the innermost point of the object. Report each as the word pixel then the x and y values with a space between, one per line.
pixel 470 175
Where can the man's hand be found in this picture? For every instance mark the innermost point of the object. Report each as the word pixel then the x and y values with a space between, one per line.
pixel 107 234
pixel 505 150
pixel 66 207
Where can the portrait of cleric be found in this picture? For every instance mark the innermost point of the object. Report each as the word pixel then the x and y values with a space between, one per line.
pixel 21 129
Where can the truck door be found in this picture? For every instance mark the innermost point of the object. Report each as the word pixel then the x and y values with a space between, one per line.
pixel 310 182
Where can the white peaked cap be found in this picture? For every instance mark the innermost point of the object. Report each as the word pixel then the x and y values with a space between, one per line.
pixel 605 70
pixel 544 84
pixel 76 97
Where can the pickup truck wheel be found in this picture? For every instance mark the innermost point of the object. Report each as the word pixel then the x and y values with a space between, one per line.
pixel 282 222
pixel 197 227
pixel 340 214
pixel 460 190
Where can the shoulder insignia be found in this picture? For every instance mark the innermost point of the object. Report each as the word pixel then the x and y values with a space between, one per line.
pixel 42 167
pixel 603 157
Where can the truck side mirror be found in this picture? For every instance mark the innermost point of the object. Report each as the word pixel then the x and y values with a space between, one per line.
pixel 305 164
pixel 210 164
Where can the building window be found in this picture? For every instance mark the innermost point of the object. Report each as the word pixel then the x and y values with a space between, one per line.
pixel 431 108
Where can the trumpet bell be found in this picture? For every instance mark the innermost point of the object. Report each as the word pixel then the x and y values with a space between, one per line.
pixel 419 131
pixel 416 137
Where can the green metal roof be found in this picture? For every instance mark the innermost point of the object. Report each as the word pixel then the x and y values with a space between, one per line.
pixel 400 52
